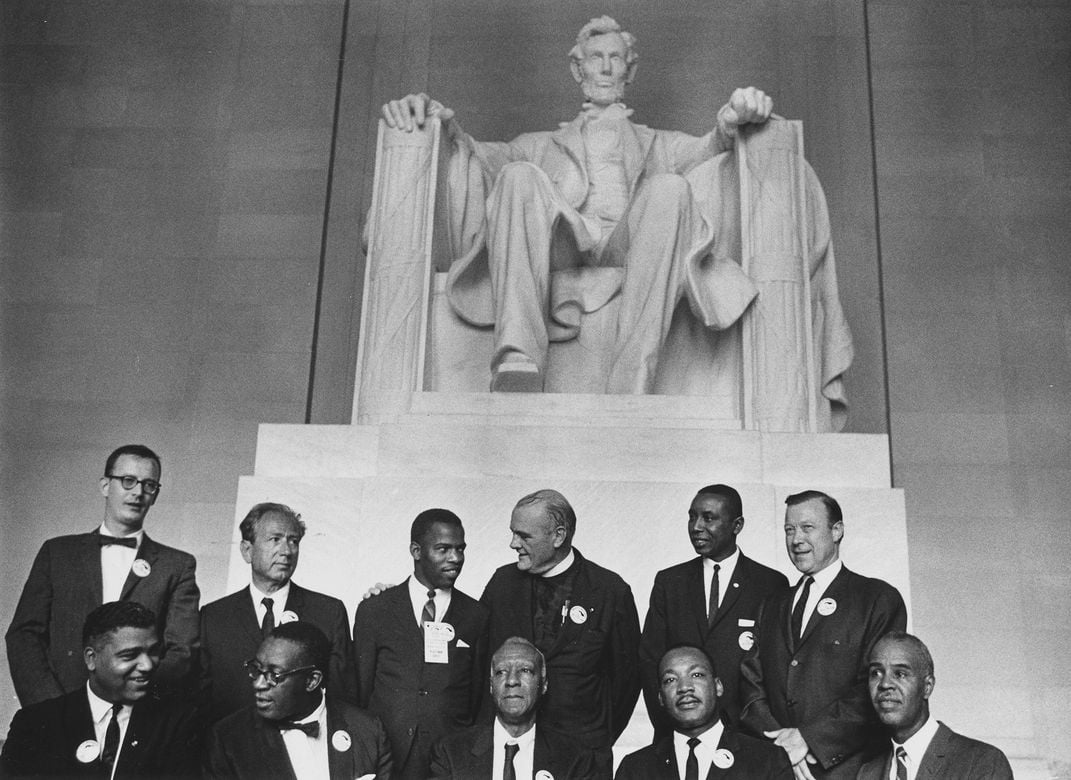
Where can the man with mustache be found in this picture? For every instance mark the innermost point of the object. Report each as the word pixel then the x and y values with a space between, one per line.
pixel 803 684
pixel 900 683
pixel 532 217
pixel 112 726
pixel 701 744
pixel 293 730
pixel 233 627
pixel 421 647
pixel 516 745
pixel 72 575
pixel 713 601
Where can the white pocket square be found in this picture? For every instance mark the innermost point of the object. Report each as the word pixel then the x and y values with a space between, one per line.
pixel 462 643
pixel 367 777
pixel 745 622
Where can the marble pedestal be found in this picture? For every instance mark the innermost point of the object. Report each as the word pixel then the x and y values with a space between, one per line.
pixel 630 465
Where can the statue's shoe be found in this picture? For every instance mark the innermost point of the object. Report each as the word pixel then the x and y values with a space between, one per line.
pixel 519 375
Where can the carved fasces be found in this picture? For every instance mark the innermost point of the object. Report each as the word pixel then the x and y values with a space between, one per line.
pixel 390 362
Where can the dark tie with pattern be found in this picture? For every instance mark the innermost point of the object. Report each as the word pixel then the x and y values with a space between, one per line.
pixel 428 615
pixel 901 763
pixel 801 605
pixel 691 766
pixel 712 607
pixel 111 739
pixel 267 623
pixel 508 772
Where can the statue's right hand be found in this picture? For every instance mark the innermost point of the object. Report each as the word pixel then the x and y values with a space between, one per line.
pixel 375 590
pixel 411 112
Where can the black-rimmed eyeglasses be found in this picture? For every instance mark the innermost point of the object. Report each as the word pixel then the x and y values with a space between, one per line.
pixel 256 671
pixel 150 486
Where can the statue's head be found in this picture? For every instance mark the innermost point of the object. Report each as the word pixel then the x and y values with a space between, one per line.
pixel 603 60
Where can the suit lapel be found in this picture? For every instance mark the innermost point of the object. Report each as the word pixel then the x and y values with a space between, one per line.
pixel 732 588
pixel 295 601
pixel 89 564
pixel 247 617
pixel 269 749
pixel 933 760
pixel 482 750
pixel 697 595
pixel 77 724
pixel 571 139
pixel 667 761
pixel 339 762
pixel 149 551
pixel 636 143
pixel 585 592
pixel 836 591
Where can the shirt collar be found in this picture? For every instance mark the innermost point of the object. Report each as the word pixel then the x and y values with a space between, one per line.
pixel 563 565
pixel 916 744
pixel 316 714
pixel 138 534
pixel 98 707
pixel 823 578
pixel 726 567
pixel 502 736
pixel 279 598
pixel 417 591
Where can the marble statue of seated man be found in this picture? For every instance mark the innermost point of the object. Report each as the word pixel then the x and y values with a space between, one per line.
pixel 555 224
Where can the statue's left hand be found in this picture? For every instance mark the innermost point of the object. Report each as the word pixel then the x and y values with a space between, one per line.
pixel 747 105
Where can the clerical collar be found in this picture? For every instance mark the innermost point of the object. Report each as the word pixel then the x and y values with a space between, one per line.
pixel 590 111
pixel 562 567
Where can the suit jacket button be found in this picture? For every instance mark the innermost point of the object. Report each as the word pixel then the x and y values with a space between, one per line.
pixel 794 662
pixel 422 692
pixel 409 732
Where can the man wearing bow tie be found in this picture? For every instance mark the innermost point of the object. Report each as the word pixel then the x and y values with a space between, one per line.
pixel 601 200
pixel 701 744
pixel 294 730
pixel 112 726
pixel 804 683
pixel 232 627
pixel 72 575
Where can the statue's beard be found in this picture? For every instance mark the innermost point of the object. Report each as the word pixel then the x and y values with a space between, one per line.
pixel 603 96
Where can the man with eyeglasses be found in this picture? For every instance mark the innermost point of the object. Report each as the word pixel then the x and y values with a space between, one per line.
pixel 112 726
pixel 232 627
pixel 295 730
pixel 72 575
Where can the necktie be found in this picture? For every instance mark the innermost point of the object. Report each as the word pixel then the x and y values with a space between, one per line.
pixel 901 763
pixel 691 766
pixel 267 623
pixel 428 615
pixel 712 608
pixel 126 541
pixel 508 772
pixel 310 729
pixel 797 613
pixel 111 739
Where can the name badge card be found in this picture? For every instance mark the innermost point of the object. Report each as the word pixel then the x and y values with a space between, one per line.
pixel 437 637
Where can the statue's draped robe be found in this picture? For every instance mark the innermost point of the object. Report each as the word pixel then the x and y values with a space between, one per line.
pixel 711 279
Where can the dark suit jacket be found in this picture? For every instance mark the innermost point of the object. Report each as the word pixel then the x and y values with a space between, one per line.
pixel 819 684
pixel 592 667
pixel 753 759
pixel 163 739
pixel 467 755
pixel 244 745
pixel 44 641
pixel 230 636
pixel 419 702
pixel 678 615
pixel 950 756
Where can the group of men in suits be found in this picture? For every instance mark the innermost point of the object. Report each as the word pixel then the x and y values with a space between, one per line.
pixel 819 675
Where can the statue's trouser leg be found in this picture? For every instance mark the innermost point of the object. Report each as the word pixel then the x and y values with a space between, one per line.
pixel 522 210
pixel 661 221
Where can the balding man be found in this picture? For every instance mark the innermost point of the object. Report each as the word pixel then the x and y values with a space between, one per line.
pixel 581 616
pixel 900 683
pixel 804 683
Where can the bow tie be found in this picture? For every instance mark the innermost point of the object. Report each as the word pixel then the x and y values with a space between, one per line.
pixel 311 729
pixel 126 541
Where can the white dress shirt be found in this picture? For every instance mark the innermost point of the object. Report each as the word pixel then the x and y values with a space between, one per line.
pixel 725 575
pixel 562 567
pixel 115 563
pixel 821 582
pixel 704 751
pixel 915 747
pixel 278 602
pixel 101 712
pixel 418 595
pixel 308 755
pixel 523 761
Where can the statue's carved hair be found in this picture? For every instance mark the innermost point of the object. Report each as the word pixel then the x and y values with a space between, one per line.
pixel 601 26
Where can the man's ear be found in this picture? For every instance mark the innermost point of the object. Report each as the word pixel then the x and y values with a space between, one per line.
pixel 316 679
pixel 89 655
pixel 838 532
pixel 104 486
pixel 247 551
pixel 574 66
pixel 559 536
pixel 927 686
pixel 738 525
pixel 414 550
pixel 630 74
